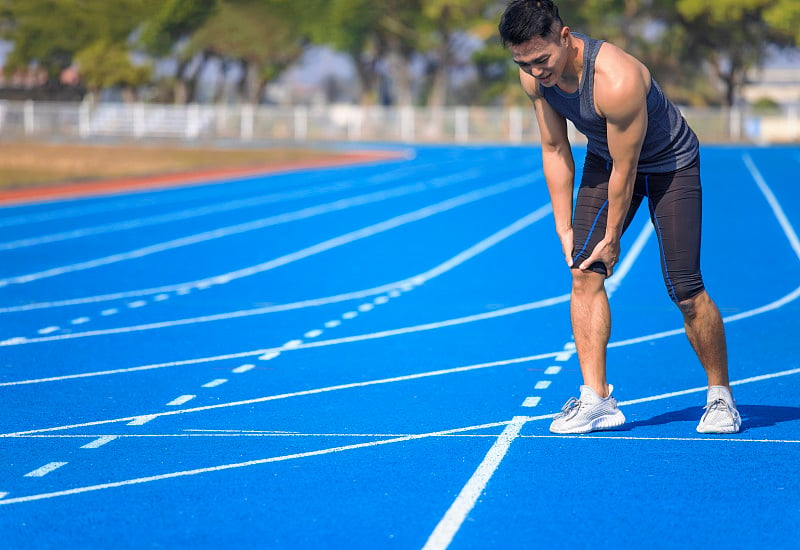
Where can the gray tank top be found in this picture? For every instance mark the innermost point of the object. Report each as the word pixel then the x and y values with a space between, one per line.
pixel 669 144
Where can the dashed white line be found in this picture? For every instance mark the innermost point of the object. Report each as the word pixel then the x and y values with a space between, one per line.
pixel 46 469
pixel 291 344
pixel 363 308
pixel 269 356
pixel 531 401
pixel 141 420
pixel 312 333
pixel 109 311
pixel 333 324
pixel 48 330
pixel 350 315
pixel 3 495
pixel 542 384
pixel 137 304
pixel 99 442
pixel 215 383
pixel 161 297
pixel 380 300
pixel 180 400
pixel 243 369
pixel 14 341
pixel 80 321
pixel 552 370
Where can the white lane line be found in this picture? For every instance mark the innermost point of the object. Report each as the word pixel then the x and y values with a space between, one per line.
pixel 269 356
pixel 542 384
pixel 48 330
pixel 109 311
pixel 391 288
pixel 242 369
pixel 246 203
pixel 465 502
pixel 780 215
pixel 161 297
pixel 182 400
pixel 333 324
pixel 350 315
pixel 141 420
pixel 380 300
pixel 313 333
pixel 396 332
pixel 369 231
pixel 531 401
pixel 552 370
pixel 624 267
pixel 185 473
pixel 99 442
pixel 137 304
pixel 80 321
pixel 302 393
pixel 79 490
pixel 215 383
pixel 3 495
pixel 46 469
pixel 363 308
pixel 292 344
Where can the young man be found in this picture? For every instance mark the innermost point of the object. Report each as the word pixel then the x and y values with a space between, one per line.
pixel 639 146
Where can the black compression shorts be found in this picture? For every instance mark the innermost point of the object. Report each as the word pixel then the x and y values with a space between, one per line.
pixel 675 200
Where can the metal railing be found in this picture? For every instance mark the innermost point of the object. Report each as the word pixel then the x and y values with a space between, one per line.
pixel 246 123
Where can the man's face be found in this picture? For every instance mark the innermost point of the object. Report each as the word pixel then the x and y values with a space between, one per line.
pixel 542 58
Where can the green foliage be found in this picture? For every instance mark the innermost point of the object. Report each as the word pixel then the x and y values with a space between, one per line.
pixel 679 40
pixel 175 19
pixel 51 32
pixel 106 65
pixel 784 17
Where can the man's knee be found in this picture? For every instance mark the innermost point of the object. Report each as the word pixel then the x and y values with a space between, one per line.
pixel 586 282
pixel 690 306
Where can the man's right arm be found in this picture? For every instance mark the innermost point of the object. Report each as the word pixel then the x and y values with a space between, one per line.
pixel 557 161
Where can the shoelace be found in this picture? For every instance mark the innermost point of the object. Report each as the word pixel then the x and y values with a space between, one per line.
pixel 572 404
pixel 721 405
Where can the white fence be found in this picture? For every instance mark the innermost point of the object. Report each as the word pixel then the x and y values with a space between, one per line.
pixel 246 123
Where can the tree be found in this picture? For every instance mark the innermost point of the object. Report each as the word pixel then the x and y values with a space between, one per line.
pixel 168 27
pixel 254 35
pixel 732 35
pixel 105 65
pixel 52 32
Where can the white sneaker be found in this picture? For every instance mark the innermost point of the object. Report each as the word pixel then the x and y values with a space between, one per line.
pixel 588 413
pixel 721 416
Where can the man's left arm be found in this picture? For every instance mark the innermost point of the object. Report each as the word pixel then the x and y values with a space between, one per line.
pixel 623 102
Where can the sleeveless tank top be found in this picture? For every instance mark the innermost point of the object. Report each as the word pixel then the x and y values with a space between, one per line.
pixel 669 144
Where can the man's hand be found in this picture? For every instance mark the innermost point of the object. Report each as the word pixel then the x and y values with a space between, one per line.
pixel 566 245
pixel 607 252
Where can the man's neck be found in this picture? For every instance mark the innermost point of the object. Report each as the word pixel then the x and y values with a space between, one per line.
pixel 571 77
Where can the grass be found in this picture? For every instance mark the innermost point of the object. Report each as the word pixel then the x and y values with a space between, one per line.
pixel 35 164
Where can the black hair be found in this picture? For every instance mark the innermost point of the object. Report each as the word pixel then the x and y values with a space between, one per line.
pixel 525 19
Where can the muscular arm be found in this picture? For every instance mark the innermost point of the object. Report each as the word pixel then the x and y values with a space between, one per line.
pixel 621 97
pixel 557 161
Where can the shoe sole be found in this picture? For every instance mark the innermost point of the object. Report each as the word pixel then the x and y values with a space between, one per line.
pixel 718 430
pixel 606 422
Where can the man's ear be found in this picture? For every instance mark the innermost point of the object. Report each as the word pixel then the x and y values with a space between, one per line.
pixel 564 34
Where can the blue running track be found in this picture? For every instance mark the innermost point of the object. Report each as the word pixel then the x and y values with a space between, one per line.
pixel 368 357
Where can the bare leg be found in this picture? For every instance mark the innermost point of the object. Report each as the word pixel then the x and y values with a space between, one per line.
pixel 591 325
pixel 706 333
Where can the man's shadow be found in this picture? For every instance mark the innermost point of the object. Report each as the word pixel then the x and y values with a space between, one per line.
pixel 753 416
